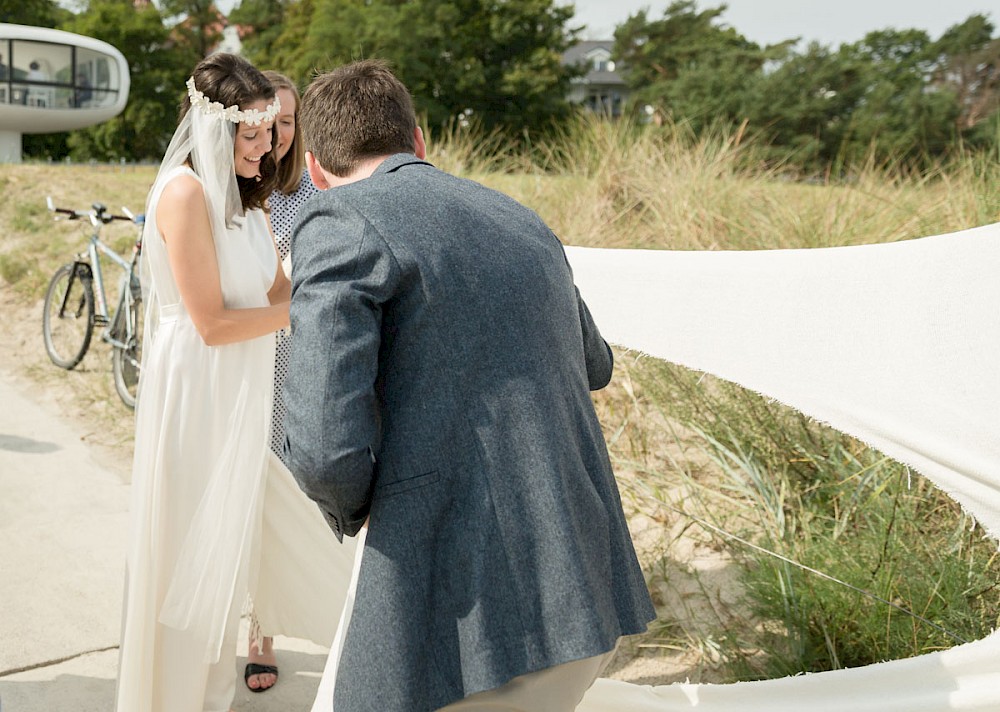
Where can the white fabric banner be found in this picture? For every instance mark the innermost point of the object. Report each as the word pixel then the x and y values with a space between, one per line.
pixel 895 344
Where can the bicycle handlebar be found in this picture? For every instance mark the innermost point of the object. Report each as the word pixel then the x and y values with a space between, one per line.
pixel 139 219
pixel 97 214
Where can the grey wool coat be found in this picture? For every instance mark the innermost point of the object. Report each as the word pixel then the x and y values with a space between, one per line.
pixel 439 384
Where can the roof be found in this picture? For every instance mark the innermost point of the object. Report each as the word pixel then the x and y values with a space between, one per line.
pixel 578 52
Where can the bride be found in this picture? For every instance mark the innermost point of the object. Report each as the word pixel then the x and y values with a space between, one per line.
pixel 215 517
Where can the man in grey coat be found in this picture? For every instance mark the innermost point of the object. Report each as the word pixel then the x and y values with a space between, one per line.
pixel 439 394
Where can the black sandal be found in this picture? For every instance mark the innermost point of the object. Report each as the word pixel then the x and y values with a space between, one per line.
pixel 258 669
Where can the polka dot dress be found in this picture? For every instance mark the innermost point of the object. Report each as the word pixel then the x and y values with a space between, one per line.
pixel 283 211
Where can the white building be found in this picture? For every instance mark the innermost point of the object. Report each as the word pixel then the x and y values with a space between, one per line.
pixel 53 81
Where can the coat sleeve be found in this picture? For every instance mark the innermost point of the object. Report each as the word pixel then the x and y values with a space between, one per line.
pixel 599 358
pixel 342 275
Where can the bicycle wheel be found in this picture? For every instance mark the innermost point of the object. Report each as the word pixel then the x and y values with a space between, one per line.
pixel 125 362
pixel 68 318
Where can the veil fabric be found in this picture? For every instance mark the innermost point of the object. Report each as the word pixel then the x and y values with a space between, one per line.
pixel 205 143
pixel 221 405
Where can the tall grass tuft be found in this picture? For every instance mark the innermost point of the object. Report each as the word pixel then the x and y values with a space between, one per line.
pixel 848 557
pixel 619 184
pixel 467 150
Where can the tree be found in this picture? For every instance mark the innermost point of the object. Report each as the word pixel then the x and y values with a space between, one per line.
pixel 823 104
pixel 261 24
pixel 969 66
pixel 897 116
pixel 200 26
pixel 498 61
pixel 805 103
pixel 320 34
pixel 691 67
pixel 38 13
pixel 158 68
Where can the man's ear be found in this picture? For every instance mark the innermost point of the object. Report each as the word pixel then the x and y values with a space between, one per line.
pixel 316 172
pixel 419 146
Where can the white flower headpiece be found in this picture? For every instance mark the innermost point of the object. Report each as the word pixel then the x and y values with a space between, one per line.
pixel 252 117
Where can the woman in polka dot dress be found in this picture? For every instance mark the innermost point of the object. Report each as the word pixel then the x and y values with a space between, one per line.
pixel 294 188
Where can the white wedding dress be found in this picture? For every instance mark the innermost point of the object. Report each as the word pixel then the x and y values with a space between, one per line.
pixel 214 515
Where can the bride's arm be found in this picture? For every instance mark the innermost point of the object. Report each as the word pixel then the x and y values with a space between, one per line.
pixel 182 218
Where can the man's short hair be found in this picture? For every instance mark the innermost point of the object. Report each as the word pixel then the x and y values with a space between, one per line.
pixel 355 113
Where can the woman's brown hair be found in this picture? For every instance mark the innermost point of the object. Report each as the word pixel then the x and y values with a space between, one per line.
pixel 290 167
pixel 231 80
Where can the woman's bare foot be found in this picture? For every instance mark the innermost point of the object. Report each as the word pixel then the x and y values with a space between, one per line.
pixel 256 679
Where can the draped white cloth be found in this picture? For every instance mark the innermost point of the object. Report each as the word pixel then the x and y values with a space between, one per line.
pixel 895 344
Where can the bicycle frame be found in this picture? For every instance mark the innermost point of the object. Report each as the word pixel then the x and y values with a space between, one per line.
pixel 123 312
pixel 95 248
pixel 91 261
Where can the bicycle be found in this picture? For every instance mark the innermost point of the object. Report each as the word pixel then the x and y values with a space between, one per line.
pixel 71 311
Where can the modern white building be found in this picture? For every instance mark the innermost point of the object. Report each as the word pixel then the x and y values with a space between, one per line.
pixel 53 81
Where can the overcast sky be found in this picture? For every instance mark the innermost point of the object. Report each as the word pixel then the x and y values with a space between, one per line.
pixel 770 21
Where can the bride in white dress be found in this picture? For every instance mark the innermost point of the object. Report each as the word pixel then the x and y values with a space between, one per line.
pixel 213 512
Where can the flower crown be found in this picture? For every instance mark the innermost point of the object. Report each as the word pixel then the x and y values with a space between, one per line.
pixel 252 117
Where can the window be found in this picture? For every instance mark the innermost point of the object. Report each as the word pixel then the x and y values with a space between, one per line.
pixel 600 61
pixel 604 102
pixel 50 75
pixel 97 79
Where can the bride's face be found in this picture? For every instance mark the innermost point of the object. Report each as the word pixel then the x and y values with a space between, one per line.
pixel 252 143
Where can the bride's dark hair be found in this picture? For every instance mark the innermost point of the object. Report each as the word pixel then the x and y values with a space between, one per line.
pixel 233 81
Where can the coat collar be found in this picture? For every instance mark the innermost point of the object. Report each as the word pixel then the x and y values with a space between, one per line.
pixel 397 161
